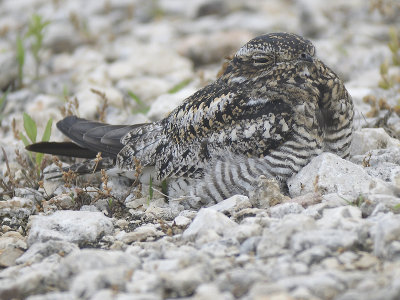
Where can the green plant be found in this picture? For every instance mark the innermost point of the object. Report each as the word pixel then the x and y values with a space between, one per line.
pixel 142 107
pixel 176 88
pixel 388 81
pixel 3 101
pixel 31 133
pixel 36 31
pixel 20 60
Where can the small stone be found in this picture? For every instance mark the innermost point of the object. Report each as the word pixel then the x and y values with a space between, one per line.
pixel 366 261
pixel 9 255
pixel 209 219
pixel 159 209
pixel 328 173
pixel 267 193
pixel 143 282
pixel 208 291
pixel 367 139
pixel 39 251
pixel 184 282
pixel 276 238
pixel 373 204
pixel 140 234
pixel 344 217
pixel 9 67
pixel 182 221
pixel 280 210
pixel 165 103
pixel 232 204
pixel 314 254
pixel 386 234
pixel 333 239
pixel 72 226
pixel 62 202
pixel 238 281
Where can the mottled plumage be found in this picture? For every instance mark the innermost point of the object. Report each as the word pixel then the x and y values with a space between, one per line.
pixel 275 107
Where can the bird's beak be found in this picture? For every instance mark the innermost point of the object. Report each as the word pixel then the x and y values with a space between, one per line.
pixel 307 57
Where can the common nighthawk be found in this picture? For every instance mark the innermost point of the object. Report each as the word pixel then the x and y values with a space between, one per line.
pixel 275 107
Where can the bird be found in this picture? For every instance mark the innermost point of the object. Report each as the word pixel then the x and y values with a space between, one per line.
pixel 274 107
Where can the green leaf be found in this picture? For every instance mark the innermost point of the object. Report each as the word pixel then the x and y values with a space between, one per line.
pixel 24 139
pixel 384 68
pixel 142 107
pixel 135 97
pixel 176 88
pixel 47 131
pixel 30 127
pixel 39 158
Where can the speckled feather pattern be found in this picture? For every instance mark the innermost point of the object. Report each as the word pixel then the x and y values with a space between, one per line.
pixel 275 107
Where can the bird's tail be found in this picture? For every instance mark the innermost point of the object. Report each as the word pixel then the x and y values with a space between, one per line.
pixel 88 138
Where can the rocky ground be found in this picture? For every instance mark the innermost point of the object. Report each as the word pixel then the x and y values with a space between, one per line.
pixel 336 237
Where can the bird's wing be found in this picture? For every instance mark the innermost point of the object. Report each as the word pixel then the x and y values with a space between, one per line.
pixel 89 138
pixel 217 121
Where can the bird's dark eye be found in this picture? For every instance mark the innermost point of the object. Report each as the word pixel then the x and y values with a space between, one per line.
pixel 262 60
pixel 303 55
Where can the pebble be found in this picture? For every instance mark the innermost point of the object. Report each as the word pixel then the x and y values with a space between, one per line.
pixel 328 173
pixel 81 227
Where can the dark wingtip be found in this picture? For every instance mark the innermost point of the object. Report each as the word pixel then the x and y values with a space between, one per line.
pixel 61 148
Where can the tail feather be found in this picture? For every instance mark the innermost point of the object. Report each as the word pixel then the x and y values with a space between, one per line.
pixel 64 148
pixel 88 139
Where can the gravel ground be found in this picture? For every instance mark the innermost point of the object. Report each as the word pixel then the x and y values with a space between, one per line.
pixel 337 235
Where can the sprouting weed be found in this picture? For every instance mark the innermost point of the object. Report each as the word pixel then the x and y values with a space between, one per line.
pixel 31 135
pixel 36 31
pixel 101 110
pixel 141 107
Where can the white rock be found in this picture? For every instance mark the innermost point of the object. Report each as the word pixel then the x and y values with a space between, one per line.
pixel 163 265
pixel 184 282
pixel 53 296
pixel 144 282
pixel 39 251
pixel 96 259
pixel 280 210
pixel 182 221
pixel 88 283
pixel 385 202
pixel 328 173
pixel 344 217
pixel 72 226
pixel 140 234
pixel 209 219
pixel 208 291
pixel 12 238
pixel 367 139
pixel 9 67
pixel 333 239
pixel 245 231
pixel 276 238
pixel 386 235
pixel 146 88
pixel 33 279
pixel 61 37
pixel 382 163
pixel 232 204
pixel 164 104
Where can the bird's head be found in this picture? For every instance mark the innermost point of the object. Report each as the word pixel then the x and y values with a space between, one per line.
pixel 274 54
